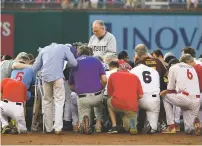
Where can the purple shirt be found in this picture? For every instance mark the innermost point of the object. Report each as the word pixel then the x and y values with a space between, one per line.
pixel 86 76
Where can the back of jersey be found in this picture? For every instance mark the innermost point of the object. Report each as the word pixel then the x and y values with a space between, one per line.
pixel 25 75
pixel 149 79
pixel 184 77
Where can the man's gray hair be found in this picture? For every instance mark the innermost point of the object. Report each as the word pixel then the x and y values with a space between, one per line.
pixel 186 58
pixel 141 50
pixel 109 57
pixel 100 22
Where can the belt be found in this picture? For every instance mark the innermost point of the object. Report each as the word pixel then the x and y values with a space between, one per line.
pixel 185 93
pixel 84 95
pixel 17 103
pixel 154 95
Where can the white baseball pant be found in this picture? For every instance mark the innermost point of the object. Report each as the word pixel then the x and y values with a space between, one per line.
pixel 189 105
pixel 177 114
pixel 152 107
pixel 74 109
pixel 54 90
pixel 15 112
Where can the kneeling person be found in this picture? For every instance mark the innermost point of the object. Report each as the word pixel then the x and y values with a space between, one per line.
pixel 14 96
pixel 124 89
pixel 150 102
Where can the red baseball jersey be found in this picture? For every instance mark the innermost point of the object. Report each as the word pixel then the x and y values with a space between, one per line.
pixel 124 88
pixel 14 91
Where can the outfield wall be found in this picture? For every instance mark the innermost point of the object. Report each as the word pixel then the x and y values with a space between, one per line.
pixel 29 30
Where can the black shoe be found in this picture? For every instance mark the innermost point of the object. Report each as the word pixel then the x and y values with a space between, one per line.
pixel 113 130
pixel 67 125
pixel 147 128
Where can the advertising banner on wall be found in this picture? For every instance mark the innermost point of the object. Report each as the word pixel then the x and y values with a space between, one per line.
pixel 7 34
pixel 170 33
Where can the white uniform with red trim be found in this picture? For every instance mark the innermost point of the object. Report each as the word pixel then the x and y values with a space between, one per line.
pixel 185 78
pixel 150 101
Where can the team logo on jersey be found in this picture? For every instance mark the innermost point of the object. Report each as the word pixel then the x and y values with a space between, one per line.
pixel 99 48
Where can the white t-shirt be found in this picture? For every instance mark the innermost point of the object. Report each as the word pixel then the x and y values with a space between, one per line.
pixel 102 46
pixel 184 77
pixel 149 79
pixel 108 73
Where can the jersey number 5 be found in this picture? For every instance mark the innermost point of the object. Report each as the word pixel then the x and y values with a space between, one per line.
pixel 146 77
pixel 189 74
pixel 19 76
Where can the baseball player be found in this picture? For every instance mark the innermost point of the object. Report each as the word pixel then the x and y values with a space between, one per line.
pixel 13 104
pixel 102 41
pixel 150 101
pixel 26 75
pixel 181 78
pixel 176 110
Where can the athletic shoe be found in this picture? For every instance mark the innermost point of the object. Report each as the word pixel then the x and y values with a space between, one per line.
pixel 170 129
pixel 58 132
pixel 6 130
pixel 76 128
pixel 98 128
pixel 133 129
pixel 85 126
pixel 177 127
pixel 147 128
pixel 113 130
pixel 197 126
pixel 163 126
pixel 13 126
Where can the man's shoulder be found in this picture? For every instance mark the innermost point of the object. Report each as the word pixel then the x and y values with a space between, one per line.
pixel 108 34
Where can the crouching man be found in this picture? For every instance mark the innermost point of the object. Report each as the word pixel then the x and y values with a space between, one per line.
pixel 14 96
pixel 124 89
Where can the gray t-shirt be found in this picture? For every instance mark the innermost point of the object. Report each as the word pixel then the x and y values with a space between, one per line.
pixel 6 68
pixel 102 46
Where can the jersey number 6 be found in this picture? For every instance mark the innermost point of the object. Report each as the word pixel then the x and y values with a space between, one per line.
pixel 189 74
pixel 19 76
pixel 146 77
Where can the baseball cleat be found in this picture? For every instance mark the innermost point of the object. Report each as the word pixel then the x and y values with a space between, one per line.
pixel 177 127
pixel 113 130
pixel 76 128
pixel 98 128
pixel 147 128
pixel 197 127
pixel 6 130
pixel 170 129
pixel 58 132
pixel 13 126
pixel 133 129
pixel 84 126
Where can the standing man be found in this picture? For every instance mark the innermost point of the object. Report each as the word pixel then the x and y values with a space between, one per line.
pixel 51 62
pixel 88 80
pixel 150 102
pixel 181 78
pixel 102 41
pixel 124 90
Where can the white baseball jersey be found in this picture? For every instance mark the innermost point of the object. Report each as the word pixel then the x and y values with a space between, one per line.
pixel 148 77
pixel 103 45
pixel 184 77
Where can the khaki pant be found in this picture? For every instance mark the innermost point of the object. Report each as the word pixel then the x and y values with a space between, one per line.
pixel 129 117
pixel 53 92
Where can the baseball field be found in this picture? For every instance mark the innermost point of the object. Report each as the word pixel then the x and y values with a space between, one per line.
pixel 70 138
